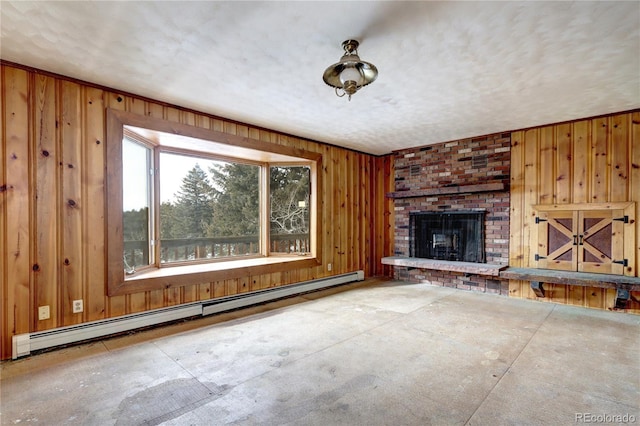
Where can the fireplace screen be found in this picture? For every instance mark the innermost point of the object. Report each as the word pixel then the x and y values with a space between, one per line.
pixel 448 236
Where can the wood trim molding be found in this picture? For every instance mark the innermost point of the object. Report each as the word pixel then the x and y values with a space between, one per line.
pixel 581 206
pixel 164 278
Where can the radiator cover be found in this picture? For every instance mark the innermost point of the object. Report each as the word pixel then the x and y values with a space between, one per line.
pixel 23 344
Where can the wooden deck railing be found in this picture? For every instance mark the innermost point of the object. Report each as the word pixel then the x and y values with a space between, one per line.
pixel 175 250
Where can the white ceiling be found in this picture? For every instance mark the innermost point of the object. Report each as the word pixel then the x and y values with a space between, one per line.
pixel 447 70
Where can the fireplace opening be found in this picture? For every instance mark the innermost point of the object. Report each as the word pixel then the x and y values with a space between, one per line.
pixel 457 236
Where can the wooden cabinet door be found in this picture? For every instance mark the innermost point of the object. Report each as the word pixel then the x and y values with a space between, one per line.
pixel 585 241
pixel 557 240
pixel 600 242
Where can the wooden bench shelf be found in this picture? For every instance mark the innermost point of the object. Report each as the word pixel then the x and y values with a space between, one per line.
pixel 572 278
pixel 622 284
pixel 445 265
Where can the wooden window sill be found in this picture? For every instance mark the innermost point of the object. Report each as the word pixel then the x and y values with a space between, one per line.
pixel 445 265
pixel 176 276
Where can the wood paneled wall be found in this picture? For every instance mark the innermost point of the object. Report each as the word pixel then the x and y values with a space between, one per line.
pixel 52 205
pixel 586 161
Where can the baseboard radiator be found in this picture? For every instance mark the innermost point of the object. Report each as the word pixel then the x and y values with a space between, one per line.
pixel 24 344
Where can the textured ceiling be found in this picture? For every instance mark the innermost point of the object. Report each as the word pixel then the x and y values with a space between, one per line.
pixel 448 70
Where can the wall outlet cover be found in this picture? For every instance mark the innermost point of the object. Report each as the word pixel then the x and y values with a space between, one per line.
pixel 44 312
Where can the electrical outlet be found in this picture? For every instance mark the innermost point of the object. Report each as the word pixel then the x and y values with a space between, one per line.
pixel 329 267
pixel 44 313
pixel 78 306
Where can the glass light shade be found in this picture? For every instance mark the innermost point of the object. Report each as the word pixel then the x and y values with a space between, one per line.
pixel 350 73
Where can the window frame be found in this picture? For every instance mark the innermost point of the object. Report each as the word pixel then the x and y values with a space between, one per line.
pixel 154 277
pixel 152 182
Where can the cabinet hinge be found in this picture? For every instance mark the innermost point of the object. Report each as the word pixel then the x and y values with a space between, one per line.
pixel 538 257
pixel 538 220
pixel 623 219
pixel 623 262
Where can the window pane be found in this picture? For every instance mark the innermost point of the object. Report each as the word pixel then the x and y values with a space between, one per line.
pixel 209 208
pixel 289 209
pixel 136 204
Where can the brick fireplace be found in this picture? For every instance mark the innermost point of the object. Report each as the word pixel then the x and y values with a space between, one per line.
pixel 465 176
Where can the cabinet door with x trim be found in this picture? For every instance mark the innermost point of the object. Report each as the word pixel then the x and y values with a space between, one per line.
pixel 585 241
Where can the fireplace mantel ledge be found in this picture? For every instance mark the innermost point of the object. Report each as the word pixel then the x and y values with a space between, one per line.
pixel 448 190
pixel 445 265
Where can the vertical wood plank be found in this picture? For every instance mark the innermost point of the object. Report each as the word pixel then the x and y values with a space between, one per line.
pixel 46 157
pixel 516 211
pixel 599 150
pixel 172 114
pixel 348 212
pixel 72 203
pixel 242 284
pixel 377 195
pixel 557 293
pixel 231 287
pixel 219 289
pixel 564 164
pixel 595 297
pixel 610 299
pixel 547 166
pixel 339 205
pixel 265 281
pixel 116 305
pixel 205 291
pixel 531 191
pixel 254 283
pixel 276 279
pixel 576 295
pixel 619 189
pixel 17 205
pixel 190 293
pixel 94 218
pixel 5 332
pixel 634 185
pixel 366 257
pixel 328 227
pixel 581 157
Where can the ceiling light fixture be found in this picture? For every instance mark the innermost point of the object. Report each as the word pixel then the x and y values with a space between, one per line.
pixel 350 74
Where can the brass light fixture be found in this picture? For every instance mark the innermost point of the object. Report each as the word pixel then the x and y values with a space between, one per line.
pixel 350 74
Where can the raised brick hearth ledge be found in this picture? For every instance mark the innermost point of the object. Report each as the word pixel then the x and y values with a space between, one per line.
pixel 445 265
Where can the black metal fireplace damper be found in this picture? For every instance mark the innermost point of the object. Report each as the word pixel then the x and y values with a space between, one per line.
pixel 455 236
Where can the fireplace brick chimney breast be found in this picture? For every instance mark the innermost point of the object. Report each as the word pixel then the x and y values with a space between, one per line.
pixel 473 161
